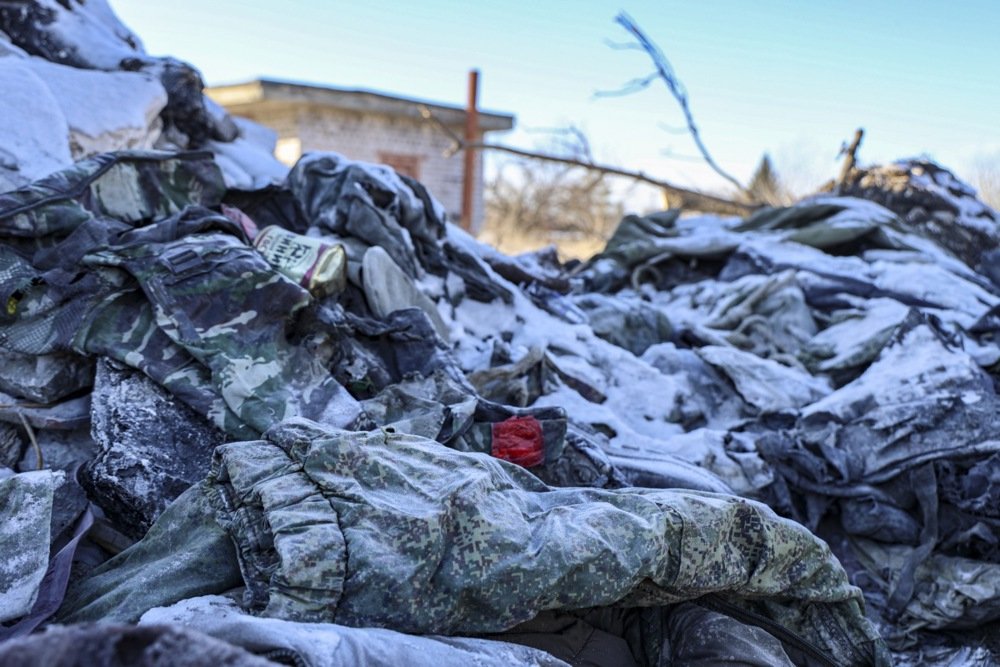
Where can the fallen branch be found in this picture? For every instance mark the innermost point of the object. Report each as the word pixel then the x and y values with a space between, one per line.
pixel 685 198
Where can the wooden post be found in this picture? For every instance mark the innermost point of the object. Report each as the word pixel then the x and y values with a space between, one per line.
pixel 850 153
pixel 471 138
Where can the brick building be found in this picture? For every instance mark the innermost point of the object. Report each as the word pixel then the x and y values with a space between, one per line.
pixel 367 126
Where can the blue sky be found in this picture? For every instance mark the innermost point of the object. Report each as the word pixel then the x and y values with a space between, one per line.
pixel 790 78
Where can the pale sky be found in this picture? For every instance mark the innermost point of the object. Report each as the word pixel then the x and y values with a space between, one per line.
pixel 792 78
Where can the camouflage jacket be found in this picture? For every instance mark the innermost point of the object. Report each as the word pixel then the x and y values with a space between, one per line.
pixel 119 256
pixel 393 530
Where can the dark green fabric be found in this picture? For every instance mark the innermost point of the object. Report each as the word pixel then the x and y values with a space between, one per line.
pixel 183 555
pixel 128 185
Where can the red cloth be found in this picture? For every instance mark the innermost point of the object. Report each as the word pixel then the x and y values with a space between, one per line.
pixel 519 440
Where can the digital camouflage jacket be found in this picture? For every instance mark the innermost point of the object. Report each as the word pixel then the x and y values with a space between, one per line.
pixel 381 529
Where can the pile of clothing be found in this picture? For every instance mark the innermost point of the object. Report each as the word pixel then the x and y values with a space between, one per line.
pixel 771 440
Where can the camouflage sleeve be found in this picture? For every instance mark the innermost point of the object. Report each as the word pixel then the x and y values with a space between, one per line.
pixel 127 185
pixel 222 303
pixel 123 327
pixel 25 513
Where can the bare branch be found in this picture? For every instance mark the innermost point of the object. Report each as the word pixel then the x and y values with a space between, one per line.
pixel 545 130
pixel 572 140
pixel 39 461
pixel 686 198
pixel 666 72
pixel 623 46
pixel 457 141
pixel 633 86
pixel 596 179
pixel 581 145
pixel 671 129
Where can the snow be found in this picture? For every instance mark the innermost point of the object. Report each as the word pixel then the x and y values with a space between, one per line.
pixel 34 134
pixel 927 283
pixel 330 645
pixel 248 163
pixel 763 383
pixel 971 212
pixel 643 406
pixel 740 468
pixel 902 373
pixel 95 125
pixel 636 392
pixel 95 32
pixel 856 211
pixel 857 335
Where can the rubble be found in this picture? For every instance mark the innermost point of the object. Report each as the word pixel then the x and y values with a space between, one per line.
pixel 776 436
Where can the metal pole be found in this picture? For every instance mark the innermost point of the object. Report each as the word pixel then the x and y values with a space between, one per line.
pixel 471 137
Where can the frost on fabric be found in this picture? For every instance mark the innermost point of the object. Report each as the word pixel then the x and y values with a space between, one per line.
pixel 927 284
pixel 25 514
pixel 330 645
pixel 855 337
pixel 918 401
pixel 640 401
pixel 763 383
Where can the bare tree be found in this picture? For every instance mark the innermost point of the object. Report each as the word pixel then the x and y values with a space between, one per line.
pixel 986 179
pixel 530 203
pixel 766 187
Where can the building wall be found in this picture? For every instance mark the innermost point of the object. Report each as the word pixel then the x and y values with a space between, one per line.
pixel 284 121
pixel 381 138
pixel 411 146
